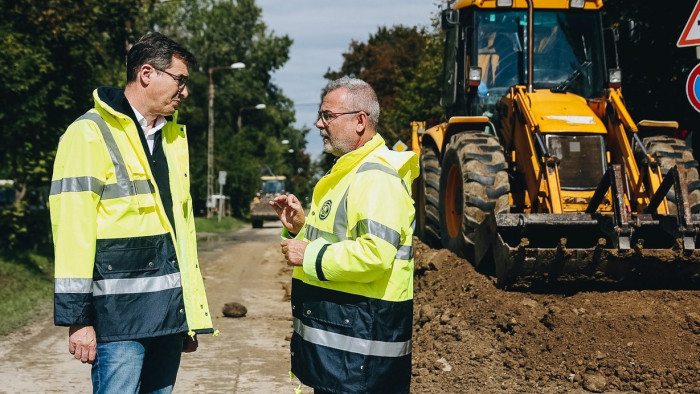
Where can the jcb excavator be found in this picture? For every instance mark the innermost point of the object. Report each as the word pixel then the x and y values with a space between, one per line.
pixel 540 171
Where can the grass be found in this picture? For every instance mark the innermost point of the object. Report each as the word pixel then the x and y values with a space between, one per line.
pixel 26 289
pixel 213 225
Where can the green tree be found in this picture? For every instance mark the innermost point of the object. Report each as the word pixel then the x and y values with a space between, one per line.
pixel 221 33
pixel 404 65
pixel 54 53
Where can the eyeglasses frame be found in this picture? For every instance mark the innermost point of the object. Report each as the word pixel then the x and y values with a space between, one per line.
pixel 179 78
pixel 336 115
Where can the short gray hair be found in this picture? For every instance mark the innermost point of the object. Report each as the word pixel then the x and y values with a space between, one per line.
pixel 361 96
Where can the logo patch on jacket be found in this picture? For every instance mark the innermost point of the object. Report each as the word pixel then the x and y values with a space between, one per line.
pixel 325 209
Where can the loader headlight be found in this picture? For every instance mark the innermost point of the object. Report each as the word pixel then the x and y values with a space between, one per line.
pixel 504 3
pixel 577 3
pixel 614 78
pixel 474 76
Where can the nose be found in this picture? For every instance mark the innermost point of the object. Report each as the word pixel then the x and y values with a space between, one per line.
pixel 184 92
pixel 319 124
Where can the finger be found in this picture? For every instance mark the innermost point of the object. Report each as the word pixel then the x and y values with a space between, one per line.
pixel 276 207
pixel 71 348
pixel 92 354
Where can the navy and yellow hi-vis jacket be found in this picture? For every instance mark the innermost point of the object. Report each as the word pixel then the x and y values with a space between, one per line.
pixel 120 266
pixel 352 300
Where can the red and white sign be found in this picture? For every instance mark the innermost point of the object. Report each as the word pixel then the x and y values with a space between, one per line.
pixel 692 88
pixel 691 32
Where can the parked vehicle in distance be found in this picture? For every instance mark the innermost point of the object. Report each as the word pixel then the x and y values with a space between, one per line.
pixel 271 186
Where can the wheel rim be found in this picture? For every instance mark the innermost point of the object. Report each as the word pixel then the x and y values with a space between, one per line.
pixel 453 202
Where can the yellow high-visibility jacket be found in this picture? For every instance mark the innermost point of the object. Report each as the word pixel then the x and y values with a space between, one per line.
pixel 120 266
pixel 352 300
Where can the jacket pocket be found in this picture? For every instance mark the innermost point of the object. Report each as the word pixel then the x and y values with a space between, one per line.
pixel 134 260
pixel 142 188
pixel 332 314
pixel 137 256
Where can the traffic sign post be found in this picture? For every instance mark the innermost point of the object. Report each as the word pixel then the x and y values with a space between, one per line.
pixel 222 182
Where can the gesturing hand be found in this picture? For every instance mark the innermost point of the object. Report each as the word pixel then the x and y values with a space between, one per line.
pixel 290 212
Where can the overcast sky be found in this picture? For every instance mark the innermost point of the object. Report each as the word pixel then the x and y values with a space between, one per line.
pixel 322 30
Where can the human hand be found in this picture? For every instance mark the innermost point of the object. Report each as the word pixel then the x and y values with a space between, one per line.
pixel 189 344
pixel 289 210
pixel 293 251
pixel 82 343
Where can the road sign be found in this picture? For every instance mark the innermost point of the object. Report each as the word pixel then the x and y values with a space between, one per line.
pixel 692 88
pixel 691 32
pixel 222 177
pixel 399 146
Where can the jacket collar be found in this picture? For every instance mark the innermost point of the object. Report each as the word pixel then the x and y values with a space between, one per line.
pixel 114 101
pixel 350 159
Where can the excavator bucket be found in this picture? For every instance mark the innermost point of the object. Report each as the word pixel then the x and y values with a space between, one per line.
pixel 611 246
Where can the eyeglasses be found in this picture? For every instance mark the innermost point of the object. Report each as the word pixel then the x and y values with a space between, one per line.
pixel 181 79
pixel 328 116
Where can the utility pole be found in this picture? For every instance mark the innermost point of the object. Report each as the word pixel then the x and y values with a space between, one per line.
pixel 210 138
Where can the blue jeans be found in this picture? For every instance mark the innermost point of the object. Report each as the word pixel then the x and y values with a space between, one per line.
pixel 140 366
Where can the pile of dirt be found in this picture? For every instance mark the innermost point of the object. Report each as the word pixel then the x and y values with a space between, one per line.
pixel 472 337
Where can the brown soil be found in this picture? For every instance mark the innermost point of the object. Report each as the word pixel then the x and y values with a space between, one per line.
pixel 471 337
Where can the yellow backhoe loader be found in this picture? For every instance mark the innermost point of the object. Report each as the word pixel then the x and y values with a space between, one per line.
pixel 540 173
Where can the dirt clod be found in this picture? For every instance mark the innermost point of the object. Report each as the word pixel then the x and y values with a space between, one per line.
pixel 234 309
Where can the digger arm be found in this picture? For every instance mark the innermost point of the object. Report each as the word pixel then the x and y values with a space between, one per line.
pixel 541 175
pixel 622 153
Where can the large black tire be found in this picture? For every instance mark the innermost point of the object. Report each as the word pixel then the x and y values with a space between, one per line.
pixel 428 219
pixel 473 184
pixel 668 152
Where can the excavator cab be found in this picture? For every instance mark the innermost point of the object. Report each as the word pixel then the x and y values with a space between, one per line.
pixel 568 54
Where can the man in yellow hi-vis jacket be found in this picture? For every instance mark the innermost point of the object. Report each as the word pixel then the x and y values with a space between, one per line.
pixel 352 286
pixel 127 280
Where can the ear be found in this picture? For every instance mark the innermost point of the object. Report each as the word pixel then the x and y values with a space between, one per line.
pixel 361 123
pixel 146 72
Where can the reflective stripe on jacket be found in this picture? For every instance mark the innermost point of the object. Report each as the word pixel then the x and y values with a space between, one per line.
pixel 119 265
pixel 352 300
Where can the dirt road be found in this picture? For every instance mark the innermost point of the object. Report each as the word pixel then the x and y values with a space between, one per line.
pixel 469 336
pixel 251 354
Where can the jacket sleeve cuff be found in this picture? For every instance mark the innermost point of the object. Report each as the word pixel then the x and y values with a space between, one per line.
pixel 286 234
pixel 313 258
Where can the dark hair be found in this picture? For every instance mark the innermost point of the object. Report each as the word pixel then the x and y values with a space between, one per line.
pixel 157 50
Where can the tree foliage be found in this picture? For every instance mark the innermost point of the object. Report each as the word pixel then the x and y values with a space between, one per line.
pixel 403 66
pixel 221 33
pixel 55 53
